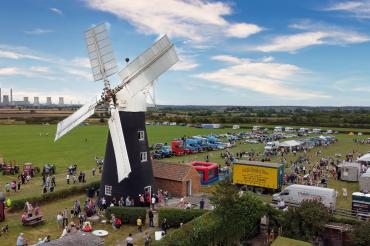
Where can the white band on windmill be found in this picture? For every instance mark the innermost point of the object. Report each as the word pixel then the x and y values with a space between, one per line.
pixel 102 60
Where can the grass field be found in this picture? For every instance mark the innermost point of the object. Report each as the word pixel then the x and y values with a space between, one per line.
pixel 283 241
pixel 23 143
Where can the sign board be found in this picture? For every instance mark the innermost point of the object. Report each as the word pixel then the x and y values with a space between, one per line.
pixel 255 176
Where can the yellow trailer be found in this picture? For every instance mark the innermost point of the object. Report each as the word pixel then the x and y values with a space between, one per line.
pixel 256 174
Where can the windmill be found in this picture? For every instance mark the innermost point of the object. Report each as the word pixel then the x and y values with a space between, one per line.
pixel 127 166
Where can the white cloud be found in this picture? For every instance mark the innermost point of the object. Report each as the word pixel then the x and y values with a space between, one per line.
pixel 80 62
pixel 38 31
pixel 275 79
pixel 57 11
pixel 359 9
pixel 79 73
pixel 313 34
pixel 40 69
pixel 242 30
pixel 227 59
pixel 17 53
pixel 195 20
pixel 267 59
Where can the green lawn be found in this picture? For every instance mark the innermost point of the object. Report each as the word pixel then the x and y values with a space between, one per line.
pixel 283 241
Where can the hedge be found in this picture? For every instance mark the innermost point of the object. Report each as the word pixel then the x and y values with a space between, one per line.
pixel 344 220
pixel 176 216
pixel 18 204
pixel 202 231
pixel 128 215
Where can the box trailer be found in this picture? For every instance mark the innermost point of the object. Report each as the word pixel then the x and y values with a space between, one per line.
pixel 296 194
pixel 364 181
pixel 350 171
pixel 361 203
pixel 258 176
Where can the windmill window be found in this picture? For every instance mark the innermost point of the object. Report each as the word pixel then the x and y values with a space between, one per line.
pixel 108 190
pixel 141 135
pixel 143 156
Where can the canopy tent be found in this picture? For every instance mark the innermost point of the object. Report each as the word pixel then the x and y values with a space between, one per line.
pixel 290 144
pixel 365 157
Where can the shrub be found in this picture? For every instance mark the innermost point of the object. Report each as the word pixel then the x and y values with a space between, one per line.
pixel 202 231
pixel 18 204
pixel 344 220
pixel 361 234
pixel 128 215
pixel 176 216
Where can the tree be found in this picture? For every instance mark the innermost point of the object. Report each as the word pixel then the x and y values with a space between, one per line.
pixel 360 235
pixel 239 213
pixel 307 221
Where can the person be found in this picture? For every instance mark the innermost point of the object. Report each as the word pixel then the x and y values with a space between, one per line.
pixel 53 182
pixel 151 216
pixel 19 185
pixel 65 217
pixel 20 240
pixel 139 224
pixel 113 221
pixel 164 225
pixel 201 204
pixel 67 178
pixel 44 189
pixel 24 217
pixel 345 193
pixel 147 239
pixel 118 223
pixel 129 240
pixel 104 203
pixel 153 201
pixel 60 220
pixel 87 227
pixel 7 187
pixel 142 201
pixel 37 210
pixel 93 171
pixel 188 205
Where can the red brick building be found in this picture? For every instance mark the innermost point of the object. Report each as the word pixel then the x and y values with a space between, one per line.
pixel 178 179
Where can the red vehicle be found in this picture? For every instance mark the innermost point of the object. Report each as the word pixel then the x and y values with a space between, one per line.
pixel 207 170
pixel 177 147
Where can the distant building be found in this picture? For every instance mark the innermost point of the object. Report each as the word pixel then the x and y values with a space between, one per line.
pixel 211 126
pixel 36 101
pixel 48 101
pixel 6 100
pixel 0 96
pixel 11 95
pixel 25 100
pixel 61 101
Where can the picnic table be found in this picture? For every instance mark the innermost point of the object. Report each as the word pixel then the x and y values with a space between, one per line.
pixel 34 220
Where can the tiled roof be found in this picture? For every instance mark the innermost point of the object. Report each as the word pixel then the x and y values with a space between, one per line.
pixel 171 171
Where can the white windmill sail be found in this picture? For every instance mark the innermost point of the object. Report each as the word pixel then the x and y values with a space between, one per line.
pixel 75 119
pixel 147 67
pixel 103 63
pixel 119 145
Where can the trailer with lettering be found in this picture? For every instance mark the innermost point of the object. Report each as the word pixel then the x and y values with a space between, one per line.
pixel 256 176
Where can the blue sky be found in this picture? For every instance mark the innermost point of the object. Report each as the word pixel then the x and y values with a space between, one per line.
pixel 255 52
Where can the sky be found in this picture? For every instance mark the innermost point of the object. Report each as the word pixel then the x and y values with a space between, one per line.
pixel 251 52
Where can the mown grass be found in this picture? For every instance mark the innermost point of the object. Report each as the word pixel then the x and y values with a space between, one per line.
pixel 283 241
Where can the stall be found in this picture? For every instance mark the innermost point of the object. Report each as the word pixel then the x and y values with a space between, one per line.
pixel 350 171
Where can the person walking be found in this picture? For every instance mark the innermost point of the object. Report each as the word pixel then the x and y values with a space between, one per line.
pixel 147 239
pixel 139 224
pixel 153 201
pixel 151 216
pixel 129 240
pixel 65 217
pixel 67 178
pixel 164 225
pixel 201 204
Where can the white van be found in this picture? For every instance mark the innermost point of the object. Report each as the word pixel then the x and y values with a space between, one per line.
pixel 272 145
pixel 295 194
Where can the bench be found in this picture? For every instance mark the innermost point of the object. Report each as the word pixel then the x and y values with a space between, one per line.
pixel 34 220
